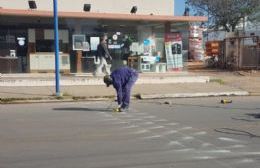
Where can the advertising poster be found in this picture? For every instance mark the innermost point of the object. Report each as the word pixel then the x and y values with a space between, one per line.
pixel 196 43
pixel 173 50
pixel 94 41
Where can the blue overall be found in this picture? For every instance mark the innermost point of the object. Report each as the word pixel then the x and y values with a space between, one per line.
pixel 123 80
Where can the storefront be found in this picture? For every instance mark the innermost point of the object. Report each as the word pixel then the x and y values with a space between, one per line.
pixel 147 43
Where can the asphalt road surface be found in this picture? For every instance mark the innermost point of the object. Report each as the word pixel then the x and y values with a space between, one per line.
pixel 183 133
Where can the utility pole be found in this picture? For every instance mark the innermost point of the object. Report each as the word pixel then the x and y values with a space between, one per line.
pixel 57 50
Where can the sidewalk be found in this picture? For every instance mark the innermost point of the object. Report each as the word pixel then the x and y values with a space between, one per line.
pixel 244 80
pixel 145 91
pixel 17 80
pixel 148 86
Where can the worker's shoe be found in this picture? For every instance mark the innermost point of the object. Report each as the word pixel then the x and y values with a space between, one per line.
pixel 126 109
pixel 121 109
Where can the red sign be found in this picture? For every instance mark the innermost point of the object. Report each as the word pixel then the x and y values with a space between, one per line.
pixel 169 37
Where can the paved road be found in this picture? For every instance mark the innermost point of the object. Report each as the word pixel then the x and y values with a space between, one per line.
pixel 187 133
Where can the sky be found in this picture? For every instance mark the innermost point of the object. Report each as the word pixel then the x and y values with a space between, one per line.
pixel 179 7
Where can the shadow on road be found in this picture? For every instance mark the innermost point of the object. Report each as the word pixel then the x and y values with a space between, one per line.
pixel 236 132
pixel 217 106
pixel 243 119
pixel 250 117
pixel 255 115
pixel 84 109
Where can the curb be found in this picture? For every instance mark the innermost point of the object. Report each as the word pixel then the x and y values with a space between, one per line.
pixel 191 95
pixel 53 101
pixel 81 81
pixel 139 96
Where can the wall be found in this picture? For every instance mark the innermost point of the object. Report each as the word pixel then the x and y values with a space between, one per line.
pixel 157 7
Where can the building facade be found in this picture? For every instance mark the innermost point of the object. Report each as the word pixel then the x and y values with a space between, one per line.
pixel 27 35
pixel 162 7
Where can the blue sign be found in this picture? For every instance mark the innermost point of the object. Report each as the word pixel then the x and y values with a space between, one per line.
pixel 147 42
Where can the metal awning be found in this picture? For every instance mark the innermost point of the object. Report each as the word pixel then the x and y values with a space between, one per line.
pixel 102 16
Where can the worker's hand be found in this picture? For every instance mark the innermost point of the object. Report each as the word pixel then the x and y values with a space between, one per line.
pixel 110 58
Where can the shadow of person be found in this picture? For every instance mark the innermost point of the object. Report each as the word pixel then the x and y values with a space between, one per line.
pixel 83 109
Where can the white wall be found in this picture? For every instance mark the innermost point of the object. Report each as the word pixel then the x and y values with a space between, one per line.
pixel 158 7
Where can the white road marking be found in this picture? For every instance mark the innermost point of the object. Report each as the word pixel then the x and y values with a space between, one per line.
pixel 172 143
pixel 247 160
pixel 229 139
pixel 140 114
pixel 149 117
pixel 206 144
pixel 121 122
pixel 235 146
pixel 185 128
pixel 160 120
pixel 187 138
pixel 136 119
pixel 131 126
pixel 152 137
pixel 249 153
pixel 110 119
pixel 170 132
pixel 199 133
pixel 141 131
pixel 172 124
pixel 204 157
pixel 216 151
pixel 156 127
pixel 147 123
pixel 184 150
pixel 125 116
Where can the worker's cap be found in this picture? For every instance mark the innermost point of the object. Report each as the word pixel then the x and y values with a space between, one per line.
pixel 108 80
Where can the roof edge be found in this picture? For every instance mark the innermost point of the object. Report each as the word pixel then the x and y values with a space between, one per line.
pixel 103 16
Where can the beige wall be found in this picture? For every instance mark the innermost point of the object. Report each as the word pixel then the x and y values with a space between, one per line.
pixel 157 7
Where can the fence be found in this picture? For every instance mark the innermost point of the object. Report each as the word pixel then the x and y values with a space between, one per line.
pixel 241 53
pixel 250 58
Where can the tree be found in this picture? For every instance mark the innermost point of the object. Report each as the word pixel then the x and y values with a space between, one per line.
pixel 225 14
pixel 255 17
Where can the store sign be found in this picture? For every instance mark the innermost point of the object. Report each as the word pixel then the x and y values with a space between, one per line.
pixel 115 37
pixel 21 41
pixel 169 37
pixel 147 42
pixel 114 46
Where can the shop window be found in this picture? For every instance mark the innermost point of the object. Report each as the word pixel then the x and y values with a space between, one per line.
pixel 47 46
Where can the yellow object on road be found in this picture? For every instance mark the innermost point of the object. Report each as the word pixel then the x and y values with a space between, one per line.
pixel 224 101
pixel 117 110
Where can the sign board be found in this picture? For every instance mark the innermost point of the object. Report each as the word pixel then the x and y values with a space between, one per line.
pixel 94 41
pixel 78 42
pixel 173 50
